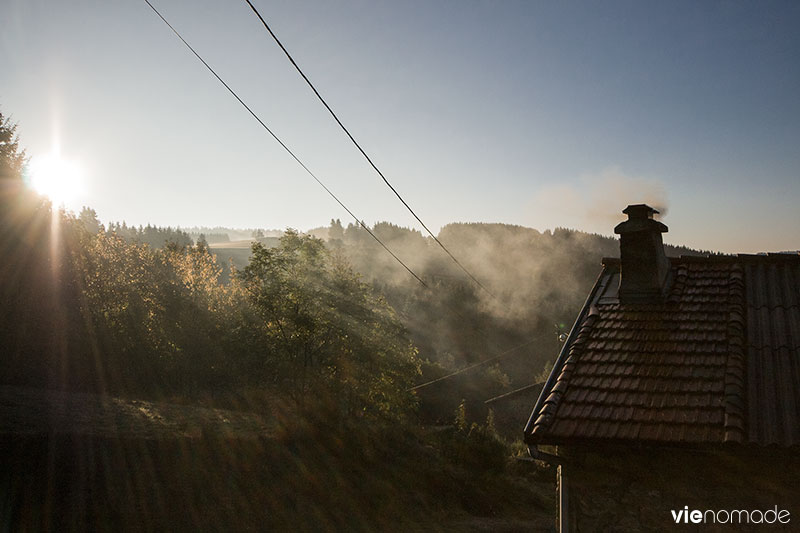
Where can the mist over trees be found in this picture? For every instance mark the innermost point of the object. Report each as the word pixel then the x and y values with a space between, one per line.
pixel 142 311
pixel 153 236
pixel 330 334
pixel 535 283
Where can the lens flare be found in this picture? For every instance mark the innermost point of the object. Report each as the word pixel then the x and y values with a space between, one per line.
pixel 59 179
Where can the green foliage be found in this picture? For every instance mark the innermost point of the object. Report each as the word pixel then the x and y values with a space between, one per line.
pixel 88 217
pixel 12 157
pixel 211 238
pixel 154 236
pixel 475 446
pixel 537 278
pixel 143 312
pixel 30 275
pixel 19 206
pixel 494 375
pixel 330 336
pixel 336 231
pixel 484 450
pixel 490 422
pixel 461 416
pixel 154 315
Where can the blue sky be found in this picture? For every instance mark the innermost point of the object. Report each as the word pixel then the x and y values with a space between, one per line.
pixel 542 114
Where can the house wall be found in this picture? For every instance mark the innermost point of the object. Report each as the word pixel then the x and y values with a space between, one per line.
pixel 624 489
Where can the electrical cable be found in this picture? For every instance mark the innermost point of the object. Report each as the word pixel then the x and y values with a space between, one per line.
pixel 360 149
pixel 332 195
pixel 476 365
pixel 283 145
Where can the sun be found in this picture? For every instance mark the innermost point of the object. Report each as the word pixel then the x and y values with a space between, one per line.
pixel 59 179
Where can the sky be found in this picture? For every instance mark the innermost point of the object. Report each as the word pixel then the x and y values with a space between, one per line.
pixel 541 114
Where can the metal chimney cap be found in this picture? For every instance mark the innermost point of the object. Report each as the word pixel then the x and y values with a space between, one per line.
pixel 640 218
pixel 640 211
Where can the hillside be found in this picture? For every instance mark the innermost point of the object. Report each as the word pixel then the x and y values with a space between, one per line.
pixel 77 461
pixel 534 285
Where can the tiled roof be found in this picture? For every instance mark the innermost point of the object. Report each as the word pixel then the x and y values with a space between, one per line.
pixel 773 351
pixel 717 362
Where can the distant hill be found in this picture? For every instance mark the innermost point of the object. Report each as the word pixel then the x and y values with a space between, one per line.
pixel 534 284
pixel 233 234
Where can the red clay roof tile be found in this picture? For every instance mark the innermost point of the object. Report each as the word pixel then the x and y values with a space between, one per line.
pixel 719 361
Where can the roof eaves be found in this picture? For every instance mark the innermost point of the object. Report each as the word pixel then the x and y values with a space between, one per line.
pixel 536 418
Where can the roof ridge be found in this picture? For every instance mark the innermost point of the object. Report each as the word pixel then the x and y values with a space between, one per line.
pixel 721 258
pixel 734 422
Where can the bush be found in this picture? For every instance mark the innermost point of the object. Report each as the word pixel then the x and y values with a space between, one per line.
pixel 476 447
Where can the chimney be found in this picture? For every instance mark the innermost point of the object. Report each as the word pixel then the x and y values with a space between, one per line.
pixel 644 268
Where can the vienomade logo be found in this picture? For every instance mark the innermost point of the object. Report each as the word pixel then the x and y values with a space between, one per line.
pixel 734 516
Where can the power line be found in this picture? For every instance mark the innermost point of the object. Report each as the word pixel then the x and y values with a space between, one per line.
pixel 332 195
pixel 283 145
pixel 475 365
pixel 515 392
pixel 360 149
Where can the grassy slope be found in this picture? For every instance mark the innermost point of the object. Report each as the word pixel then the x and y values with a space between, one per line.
pixel 305 474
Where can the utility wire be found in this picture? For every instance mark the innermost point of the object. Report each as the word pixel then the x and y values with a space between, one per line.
pixel 475 365
pixel 514 392
pixel 360 149
pixel 283 145
pixel 332 195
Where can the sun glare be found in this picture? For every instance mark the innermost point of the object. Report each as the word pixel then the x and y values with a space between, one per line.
pixel 59 179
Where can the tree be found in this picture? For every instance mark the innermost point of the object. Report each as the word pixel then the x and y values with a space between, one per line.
pixel 332 337
pixel 12 158
pixel 336 232
pixel 34 277
pixel 160 318
pixel 88 217
pixel 202 243
pixel 17 203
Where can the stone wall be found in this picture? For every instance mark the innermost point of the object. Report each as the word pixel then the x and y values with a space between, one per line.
pixel 624 489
